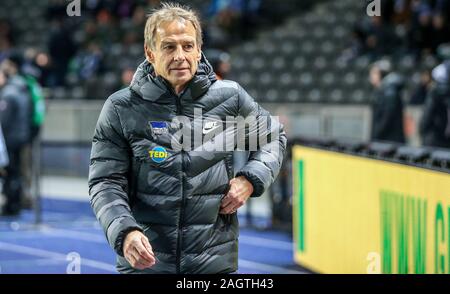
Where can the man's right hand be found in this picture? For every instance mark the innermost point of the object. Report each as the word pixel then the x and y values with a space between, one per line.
pixel 138 251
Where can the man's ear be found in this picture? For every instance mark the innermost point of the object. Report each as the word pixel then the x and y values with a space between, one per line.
pixel 148 54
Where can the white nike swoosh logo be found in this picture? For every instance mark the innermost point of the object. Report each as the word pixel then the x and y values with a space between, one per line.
pixel 208 129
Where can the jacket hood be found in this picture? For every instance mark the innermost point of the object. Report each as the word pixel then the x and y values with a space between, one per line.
pixel 151 87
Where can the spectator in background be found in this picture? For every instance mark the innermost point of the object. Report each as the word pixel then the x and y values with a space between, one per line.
pixel 401 11
pixel 6 39
pixel 440 31
pixel 380 39
pixel 372 37
pixel 42 61
pixel 56 9
pixel 420 32
pixel 421 91
pixel 435 123
pixel 32 73
pixel 92 6
pixel 16 123
pixel 29 65
pixel 387 106
pixel 420 25
pixel 251 17
pixel 232 20
pixel 139 17
pixel 36 64
pixel 90 31
pixel 126 77
pixel 88 62
pixel 224 19
pixel 220 62
pixel 124 8
pixel 130 29
pixel 357 45
pixel 442 7
pixel 61 49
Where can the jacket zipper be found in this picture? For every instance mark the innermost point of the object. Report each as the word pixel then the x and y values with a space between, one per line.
pixel 181 216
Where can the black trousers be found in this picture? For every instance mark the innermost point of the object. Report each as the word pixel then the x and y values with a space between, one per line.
pixel 12 187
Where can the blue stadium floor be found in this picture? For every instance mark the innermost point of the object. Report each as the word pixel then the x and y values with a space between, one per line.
pixel 69 226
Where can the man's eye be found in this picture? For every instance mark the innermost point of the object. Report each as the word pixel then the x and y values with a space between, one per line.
pixel 188 47
pixel 168 47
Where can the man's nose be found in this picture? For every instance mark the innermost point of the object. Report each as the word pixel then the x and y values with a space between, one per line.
pixel 179 54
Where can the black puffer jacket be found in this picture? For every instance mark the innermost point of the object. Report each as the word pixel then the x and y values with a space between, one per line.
pixel 387 110
pixel 15 110
pixel 435 124
pixel 139 180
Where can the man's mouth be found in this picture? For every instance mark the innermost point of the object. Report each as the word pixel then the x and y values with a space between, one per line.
pixel 180 69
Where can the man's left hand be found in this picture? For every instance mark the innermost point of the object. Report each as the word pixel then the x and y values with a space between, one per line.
pixel 240 190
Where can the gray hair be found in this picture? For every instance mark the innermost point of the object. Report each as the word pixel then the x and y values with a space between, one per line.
pixel 166 13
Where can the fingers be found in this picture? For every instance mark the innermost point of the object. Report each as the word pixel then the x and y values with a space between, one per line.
pixel 232 201
pixel 228 210
pixel 144 254
pixel 231 206
pixel 228 204
pixel 227 200
pixel 139 252
pixel 135 261
pixel 147 251
pixel 147 245
pixel 149 248
pixel 231 195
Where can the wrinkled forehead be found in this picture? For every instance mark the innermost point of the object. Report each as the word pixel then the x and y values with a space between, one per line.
pixel 175 30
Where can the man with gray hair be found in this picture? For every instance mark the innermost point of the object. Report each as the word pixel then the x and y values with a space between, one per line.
pixel 166 209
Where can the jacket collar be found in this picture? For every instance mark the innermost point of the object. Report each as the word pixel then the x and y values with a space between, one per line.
pixel 151 87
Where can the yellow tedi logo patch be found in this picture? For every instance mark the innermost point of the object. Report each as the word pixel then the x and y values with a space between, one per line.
pixel 158 154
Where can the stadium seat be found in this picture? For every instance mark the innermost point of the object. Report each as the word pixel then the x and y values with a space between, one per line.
pixel 336 96
pixel 352 146
pixel 293 95
pixel 440 158
pixel 382 149
pixel 412 154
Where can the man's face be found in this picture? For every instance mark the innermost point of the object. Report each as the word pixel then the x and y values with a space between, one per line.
pixel 176 53
pixel 375 76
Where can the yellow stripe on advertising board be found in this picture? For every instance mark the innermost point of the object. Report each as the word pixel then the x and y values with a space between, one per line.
pixel 358 215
